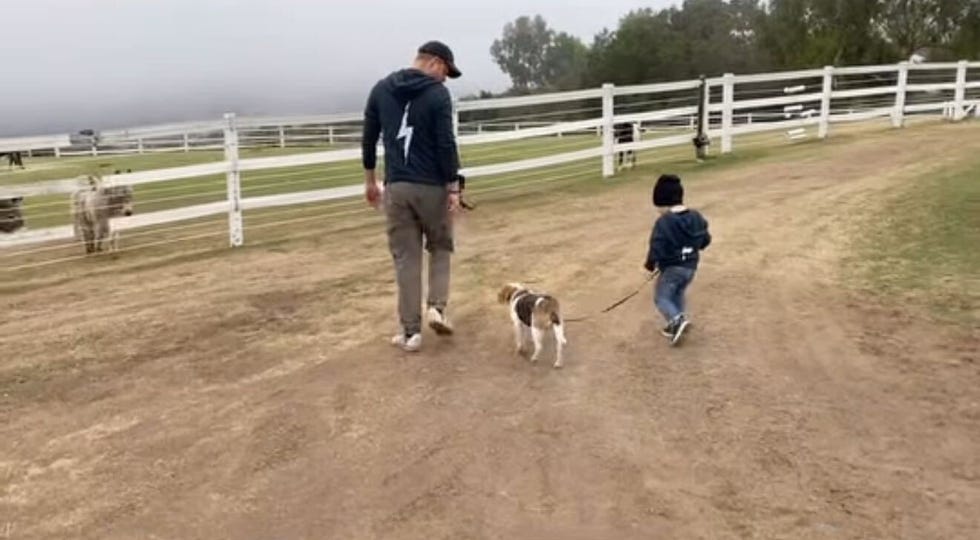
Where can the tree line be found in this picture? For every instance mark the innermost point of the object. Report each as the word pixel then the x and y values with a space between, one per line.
pixel 712 37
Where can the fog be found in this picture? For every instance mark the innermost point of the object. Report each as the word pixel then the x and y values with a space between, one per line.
pixel 76 64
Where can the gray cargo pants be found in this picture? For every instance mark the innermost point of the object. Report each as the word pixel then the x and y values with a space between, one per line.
pixel 414 210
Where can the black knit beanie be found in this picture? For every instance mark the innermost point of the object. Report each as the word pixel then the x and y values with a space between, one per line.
pixel 668 191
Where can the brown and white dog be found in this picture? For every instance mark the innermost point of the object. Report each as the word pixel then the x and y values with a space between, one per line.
pixel 536 312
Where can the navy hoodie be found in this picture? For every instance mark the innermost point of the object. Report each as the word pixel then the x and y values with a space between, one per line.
pixel 677 239
pixel 414 113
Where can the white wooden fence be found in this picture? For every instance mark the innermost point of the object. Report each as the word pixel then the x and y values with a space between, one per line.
pixel 791 102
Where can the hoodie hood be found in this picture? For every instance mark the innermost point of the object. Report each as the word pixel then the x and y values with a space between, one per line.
pixel 409 83
pixel 691 224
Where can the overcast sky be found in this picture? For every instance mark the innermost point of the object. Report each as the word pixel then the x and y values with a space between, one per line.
pixel 73 64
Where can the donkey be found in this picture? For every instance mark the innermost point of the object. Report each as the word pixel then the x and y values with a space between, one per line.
pixel 91 209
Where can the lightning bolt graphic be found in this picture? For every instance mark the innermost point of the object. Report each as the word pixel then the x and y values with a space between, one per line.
pixel 405 131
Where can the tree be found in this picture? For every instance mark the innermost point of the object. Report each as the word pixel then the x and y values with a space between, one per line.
pixel 814 33
pixel 911 25
pixel 566 61
pixel 642 49
pixel 712 37
pixel 966 41
pixel 522 50
pixel 707 37
pixel 719 36
pixel 536 57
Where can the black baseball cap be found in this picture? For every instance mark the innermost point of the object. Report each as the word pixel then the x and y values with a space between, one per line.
pixel 441 51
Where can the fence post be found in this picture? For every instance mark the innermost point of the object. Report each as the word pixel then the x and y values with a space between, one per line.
pixel 702 140
pixel 455 118
pixel 139 145
pixel 187 143
pixel 282 136
pixel 236 233
pixel 959 112
pixel 898 115
pixel 608 113
pixel 728 109
pixel 828 88
pixel 57 152
pixel 330 135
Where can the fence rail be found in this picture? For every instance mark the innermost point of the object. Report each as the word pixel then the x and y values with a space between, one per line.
pixel 732 104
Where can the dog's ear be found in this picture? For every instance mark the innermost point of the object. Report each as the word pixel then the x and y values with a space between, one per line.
pixel 506 293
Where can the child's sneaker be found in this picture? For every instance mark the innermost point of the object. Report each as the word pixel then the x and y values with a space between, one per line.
pixel 439 322
pixel 667 331
pixel 679 329
pixel 408 343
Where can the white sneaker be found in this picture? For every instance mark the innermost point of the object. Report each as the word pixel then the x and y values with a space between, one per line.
pixel 679 331
pixel 439 322
pixel 408 343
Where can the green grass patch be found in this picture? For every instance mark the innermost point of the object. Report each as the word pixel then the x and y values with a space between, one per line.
pixel 922 244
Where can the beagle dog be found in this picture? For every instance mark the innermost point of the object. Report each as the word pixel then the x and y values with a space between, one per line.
pixel 537 312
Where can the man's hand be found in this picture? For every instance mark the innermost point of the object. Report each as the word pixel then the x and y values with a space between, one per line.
pixel 453 201
pixel 372 192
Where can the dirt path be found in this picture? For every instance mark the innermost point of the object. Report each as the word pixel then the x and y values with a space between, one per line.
pixel 254 396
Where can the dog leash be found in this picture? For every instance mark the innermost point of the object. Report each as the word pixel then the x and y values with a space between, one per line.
pixel 619 302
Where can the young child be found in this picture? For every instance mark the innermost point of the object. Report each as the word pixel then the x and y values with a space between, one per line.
pixel 677 238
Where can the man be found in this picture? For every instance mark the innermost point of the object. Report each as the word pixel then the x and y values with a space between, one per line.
pixel 414 112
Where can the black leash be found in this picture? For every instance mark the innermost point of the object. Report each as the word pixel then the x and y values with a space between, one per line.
pixel 467 206
pixel 620 302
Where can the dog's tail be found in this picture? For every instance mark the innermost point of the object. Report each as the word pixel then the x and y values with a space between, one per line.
pixel 550 306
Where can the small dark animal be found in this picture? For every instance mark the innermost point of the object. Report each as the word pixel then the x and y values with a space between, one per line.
pixel 13 158
pixel 11 217
pixel 623 133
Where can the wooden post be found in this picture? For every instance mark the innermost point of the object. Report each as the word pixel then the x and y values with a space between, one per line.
pixel 701 140
pixel 959 101
pixel 898 115
pixel 828 87
pixel 236 232
pixel 608 113
pixel 728 110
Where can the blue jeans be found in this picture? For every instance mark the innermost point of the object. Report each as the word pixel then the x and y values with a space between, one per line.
pixel 669 291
